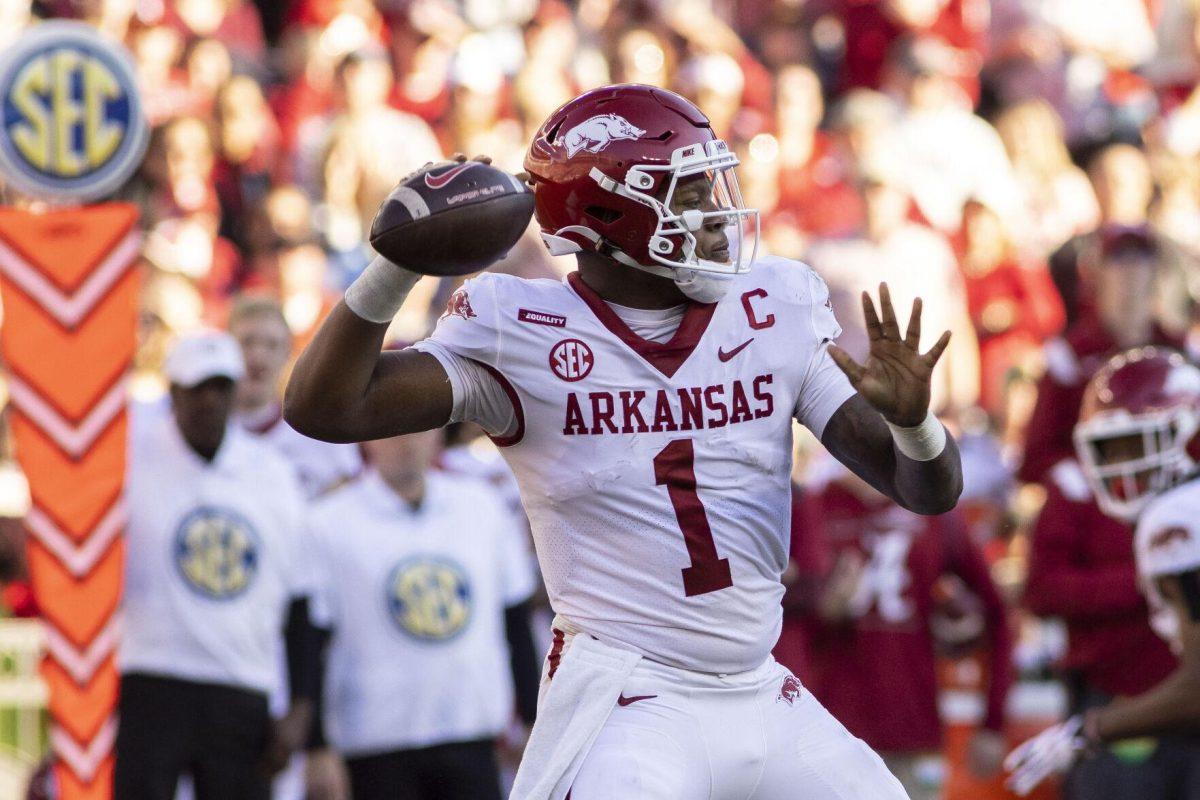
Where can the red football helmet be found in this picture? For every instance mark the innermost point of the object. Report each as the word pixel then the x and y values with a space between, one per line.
pixel 1147 393
pixel 605 167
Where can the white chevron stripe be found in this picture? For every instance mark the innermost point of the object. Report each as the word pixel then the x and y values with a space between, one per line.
pixel 84 762
pixel 78 558
pixel 82 665
pixel 70 309
pixel 75 439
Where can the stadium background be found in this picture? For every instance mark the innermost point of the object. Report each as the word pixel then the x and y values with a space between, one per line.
pixel 966 125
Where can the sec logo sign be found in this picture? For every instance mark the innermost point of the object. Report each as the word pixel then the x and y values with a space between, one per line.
pixel 571 360
pixel 71 123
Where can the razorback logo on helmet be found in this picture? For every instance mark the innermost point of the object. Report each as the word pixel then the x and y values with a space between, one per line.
pixel 459 305
pixel 789 691
pixel 1165 537
pixel 596 133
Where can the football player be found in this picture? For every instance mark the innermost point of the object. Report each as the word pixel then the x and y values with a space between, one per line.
pixel 1138 440
pixel 645 405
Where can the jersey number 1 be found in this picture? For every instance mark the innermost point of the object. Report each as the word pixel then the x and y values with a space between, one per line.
pixel 674 467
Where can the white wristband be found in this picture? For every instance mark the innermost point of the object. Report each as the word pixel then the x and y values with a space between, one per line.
pixel 923 442
pixel 377 294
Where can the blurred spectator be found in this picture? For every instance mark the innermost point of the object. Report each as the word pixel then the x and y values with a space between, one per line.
pixel 816 191
pixel 910 258
pixel 874 626
pixel 1121 178
pixel 262 333
pixel 248 143
pixel 863 121
pixel 1013 306
pixel 1057 200
pixel 216 573
pixel 385 144
pixel 1081 569
pixel 872 28
pixel 305 292
pixel 944 153
pixel 431 572
pixel 1120 287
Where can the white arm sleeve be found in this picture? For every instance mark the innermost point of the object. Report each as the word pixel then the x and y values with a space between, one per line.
pixel 825 386
pixel 478 396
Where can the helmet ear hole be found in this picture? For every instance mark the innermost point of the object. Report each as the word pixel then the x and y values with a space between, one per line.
pixel 552 134
pixel 602 214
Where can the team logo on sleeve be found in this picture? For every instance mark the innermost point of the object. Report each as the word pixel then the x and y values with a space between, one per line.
pixel 596 133
pixel 217 552
pixel 789 690
pixel 429 598
pixel 571 360
pixel 459 305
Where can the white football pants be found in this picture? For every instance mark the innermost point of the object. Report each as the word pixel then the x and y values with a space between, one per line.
pixel 756 735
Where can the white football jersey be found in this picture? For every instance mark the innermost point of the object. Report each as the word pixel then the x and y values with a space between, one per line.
pixel 656 475
pixel 1167 542
pixel 416 599
pixel 215 552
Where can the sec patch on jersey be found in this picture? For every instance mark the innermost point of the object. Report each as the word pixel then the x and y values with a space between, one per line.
pixel 452 218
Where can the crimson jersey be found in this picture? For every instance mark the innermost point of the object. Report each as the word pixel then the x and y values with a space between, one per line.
pixel 655 475
pixel 877 672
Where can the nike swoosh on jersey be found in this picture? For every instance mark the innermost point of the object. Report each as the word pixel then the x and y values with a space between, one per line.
pixel 721 354
pixel 624 701
pixel 438 181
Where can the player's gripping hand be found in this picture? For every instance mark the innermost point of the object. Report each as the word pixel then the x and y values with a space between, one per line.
pixel 895 379
pixel 1051 752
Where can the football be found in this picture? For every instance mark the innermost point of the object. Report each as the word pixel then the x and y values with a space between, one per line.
pixel 452 218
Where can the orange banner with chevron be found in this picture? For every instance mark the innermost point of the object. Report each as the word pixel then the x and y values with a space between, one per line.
pixel 69 288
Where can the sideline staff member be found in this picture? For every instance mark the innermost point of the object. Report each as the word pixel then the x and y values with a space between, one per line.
pixel 428 579
pixel 213 569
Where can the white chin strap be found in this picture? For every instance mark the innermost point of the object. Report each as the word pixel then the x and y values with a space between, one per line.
pixel 700 286
pixel 703 287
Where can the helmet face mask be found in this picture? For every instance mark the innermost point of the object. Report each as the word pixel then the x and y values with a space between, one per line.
pixel 719 198
pixel 1130 459
pixel 1139 429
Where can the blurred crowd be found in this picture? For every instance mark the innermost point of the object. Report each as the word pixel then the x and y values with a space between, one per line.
pixel 1031 168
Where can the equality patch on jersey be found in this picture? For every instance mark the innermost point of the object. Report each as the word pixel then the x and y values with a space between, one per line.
pixel 217 552
pixel 541 318
pixel 429 598
pixel 571 360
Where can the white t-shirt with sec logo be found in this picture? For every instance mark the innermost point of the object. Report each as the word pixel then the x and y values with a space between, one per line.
pixel 416 599
pixel 215 552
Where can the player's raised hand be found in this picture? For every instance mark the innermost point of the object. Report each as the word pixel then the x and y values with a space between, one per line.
pixel 895 379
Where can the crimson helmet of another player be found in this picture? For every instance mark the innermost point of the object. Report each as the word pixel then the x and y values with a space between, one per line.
pixel 1139 428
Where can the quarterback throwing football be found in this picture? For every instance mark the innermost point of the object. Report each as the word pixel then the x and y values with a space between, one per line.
pixel 645 405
